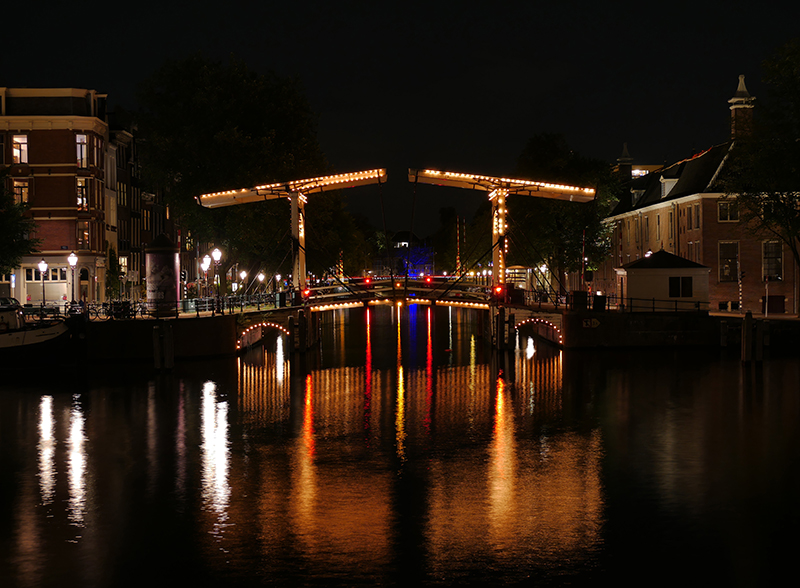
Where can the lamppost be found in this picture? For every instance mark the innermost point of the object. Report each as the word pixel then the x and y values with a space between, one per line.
pixel 217 255
pixel 42 272
pixel 73 261
pixel 204 266
pixel 260 281
pixel 242 276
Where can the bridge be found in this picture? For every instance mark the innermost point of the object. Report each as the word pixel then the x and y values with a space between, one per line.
pixel 347 293
pixel 300 321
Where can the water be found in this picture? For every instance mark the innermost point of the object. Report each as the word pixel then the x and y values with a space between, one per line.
pixel 405 455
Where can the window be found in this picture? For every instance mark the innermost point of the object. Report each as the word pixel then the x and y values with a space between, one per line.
pixel 647 229
pixel 19 146
pixel 680 286
pixel 628 232
pixel 729 261
pixel 671 222
pixel 82 150
pixel 727 211
pixel 696 216
pixel 688 217
pixel 2 149
pixel 772 266
pixel 697 251
pixel 83 234
pixel 658 227
pixel 83 194
pixel 20 191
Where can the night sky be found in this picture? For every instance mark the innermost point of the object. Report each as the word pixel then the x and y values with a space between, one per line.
pixel 449 85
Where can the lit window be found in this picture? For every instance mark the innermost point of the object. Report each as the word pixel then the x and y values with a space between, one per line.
pixel 20 148
pixel 772 266
pixel 729 261
pixel 20 191
pixel 83 234
pixel 727 211
pixel 83 196
pixel 82 150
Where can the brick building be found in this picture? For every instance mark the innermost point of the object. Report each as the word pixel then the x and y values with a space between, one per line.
pixel 54 141
pixel 680 209
pixel 81 177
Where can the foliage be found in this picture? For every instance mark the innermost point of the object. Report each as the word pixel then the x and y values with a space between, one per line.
pixel 763 170
pixel 15 229
pixel 557 232
pixel 112 274
pixel 207 126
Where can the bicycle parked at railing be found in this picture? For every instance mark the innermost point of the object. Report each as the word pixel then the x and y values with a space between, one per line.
pixel 99 311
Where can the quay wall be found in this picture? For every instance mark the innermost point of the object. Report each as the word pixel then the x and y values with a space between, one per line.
pixel 610 329
pixel 134 339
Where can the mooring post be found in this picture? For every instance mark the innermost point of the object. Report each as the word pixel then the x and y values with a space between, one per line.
pixel 747 336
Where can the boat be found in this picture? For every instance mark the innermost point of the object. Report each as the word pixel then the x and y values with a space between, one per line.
pixel 18 334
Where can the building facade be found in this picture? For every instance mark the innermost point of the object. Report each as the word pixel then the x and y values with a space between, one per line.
pixel 77 168
pixel 681 209
pixel 54 141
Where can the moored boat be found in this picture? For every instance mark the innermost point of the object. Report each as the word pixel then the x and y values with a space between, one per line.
pixel 17 334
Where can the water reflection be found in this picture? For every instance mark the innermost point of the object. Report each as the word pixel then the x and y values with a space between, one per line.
pixel 47 449
pixel 413 464
pixel 76 466
pixel 215 457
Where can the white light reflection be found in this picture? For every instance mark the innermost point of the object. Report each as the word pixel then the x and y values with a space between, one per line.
pixel 279 360
pixel 215 457
pixel 529 349
pixel 47 448
pixel 76 466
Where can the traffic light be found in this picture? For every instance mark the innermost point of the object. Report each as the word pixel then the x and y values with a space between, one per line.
pixel 499 293
pixel 306 293
pixel 428 280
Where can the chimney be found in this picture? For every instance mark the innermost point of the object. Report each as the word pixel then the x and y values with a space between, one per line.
pixel 741 111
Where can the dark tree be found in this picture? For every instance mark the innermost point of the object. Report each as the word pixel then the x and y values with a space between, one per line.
pixel 206 127
pixel 16 228
pixel 556 232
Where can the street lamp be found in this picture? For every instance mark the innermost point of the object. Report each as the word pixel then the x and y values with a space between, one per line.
pixel 204 266
pixel 43 271
pixel 73 261
pixel 217 255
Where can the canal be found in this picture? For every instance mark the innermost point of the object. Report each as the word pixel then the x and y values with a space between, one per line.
pixel 403 453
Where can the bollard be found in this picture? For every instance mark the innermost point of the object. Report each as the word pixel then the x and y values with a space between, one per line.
pixel 747 337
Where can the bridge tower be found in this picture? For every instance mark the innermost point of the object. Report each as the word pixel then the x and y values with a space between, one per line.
pixel 297 192
pixel 499 190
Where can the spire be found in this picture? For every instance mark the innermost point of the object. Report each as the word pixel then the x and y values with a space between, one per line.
pixel 625 163
pixel 741 110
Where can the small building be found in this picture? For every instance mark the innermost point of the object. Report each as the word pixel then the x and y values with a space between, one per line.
pixel 662 281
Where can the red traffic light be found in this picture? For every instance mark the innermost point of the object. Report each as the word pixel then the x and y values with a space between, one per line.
pixel 307 293
pixel 428 279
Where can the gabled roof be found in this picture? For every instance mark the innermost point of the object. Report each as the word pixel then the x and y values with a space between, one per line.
pixel 690 176
pixel 662 260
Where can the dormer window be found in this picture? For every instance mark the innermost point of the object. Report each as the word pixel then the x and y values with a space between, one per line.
pixel 667 185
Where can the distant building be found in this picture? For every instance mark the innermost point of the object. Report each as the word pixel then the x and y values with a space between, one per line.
pixel 680 209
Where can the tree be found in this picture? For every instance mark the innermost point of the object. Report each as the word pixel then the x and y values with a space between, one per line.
pixel 557 232
pixel 207 126
pixel 763 170
pixel 16 228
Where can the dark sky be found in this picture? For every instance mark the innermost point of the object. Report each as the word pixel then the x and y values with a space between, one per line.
pixel 448 85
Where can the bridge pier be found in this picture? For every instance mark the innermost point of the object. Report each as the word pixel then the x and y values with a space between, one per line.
pixel 502 329
pixel 303 330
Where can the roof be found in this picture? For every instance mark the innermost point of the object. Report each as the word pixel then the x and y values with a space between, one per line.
pixel 694 175
pixel 663 260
